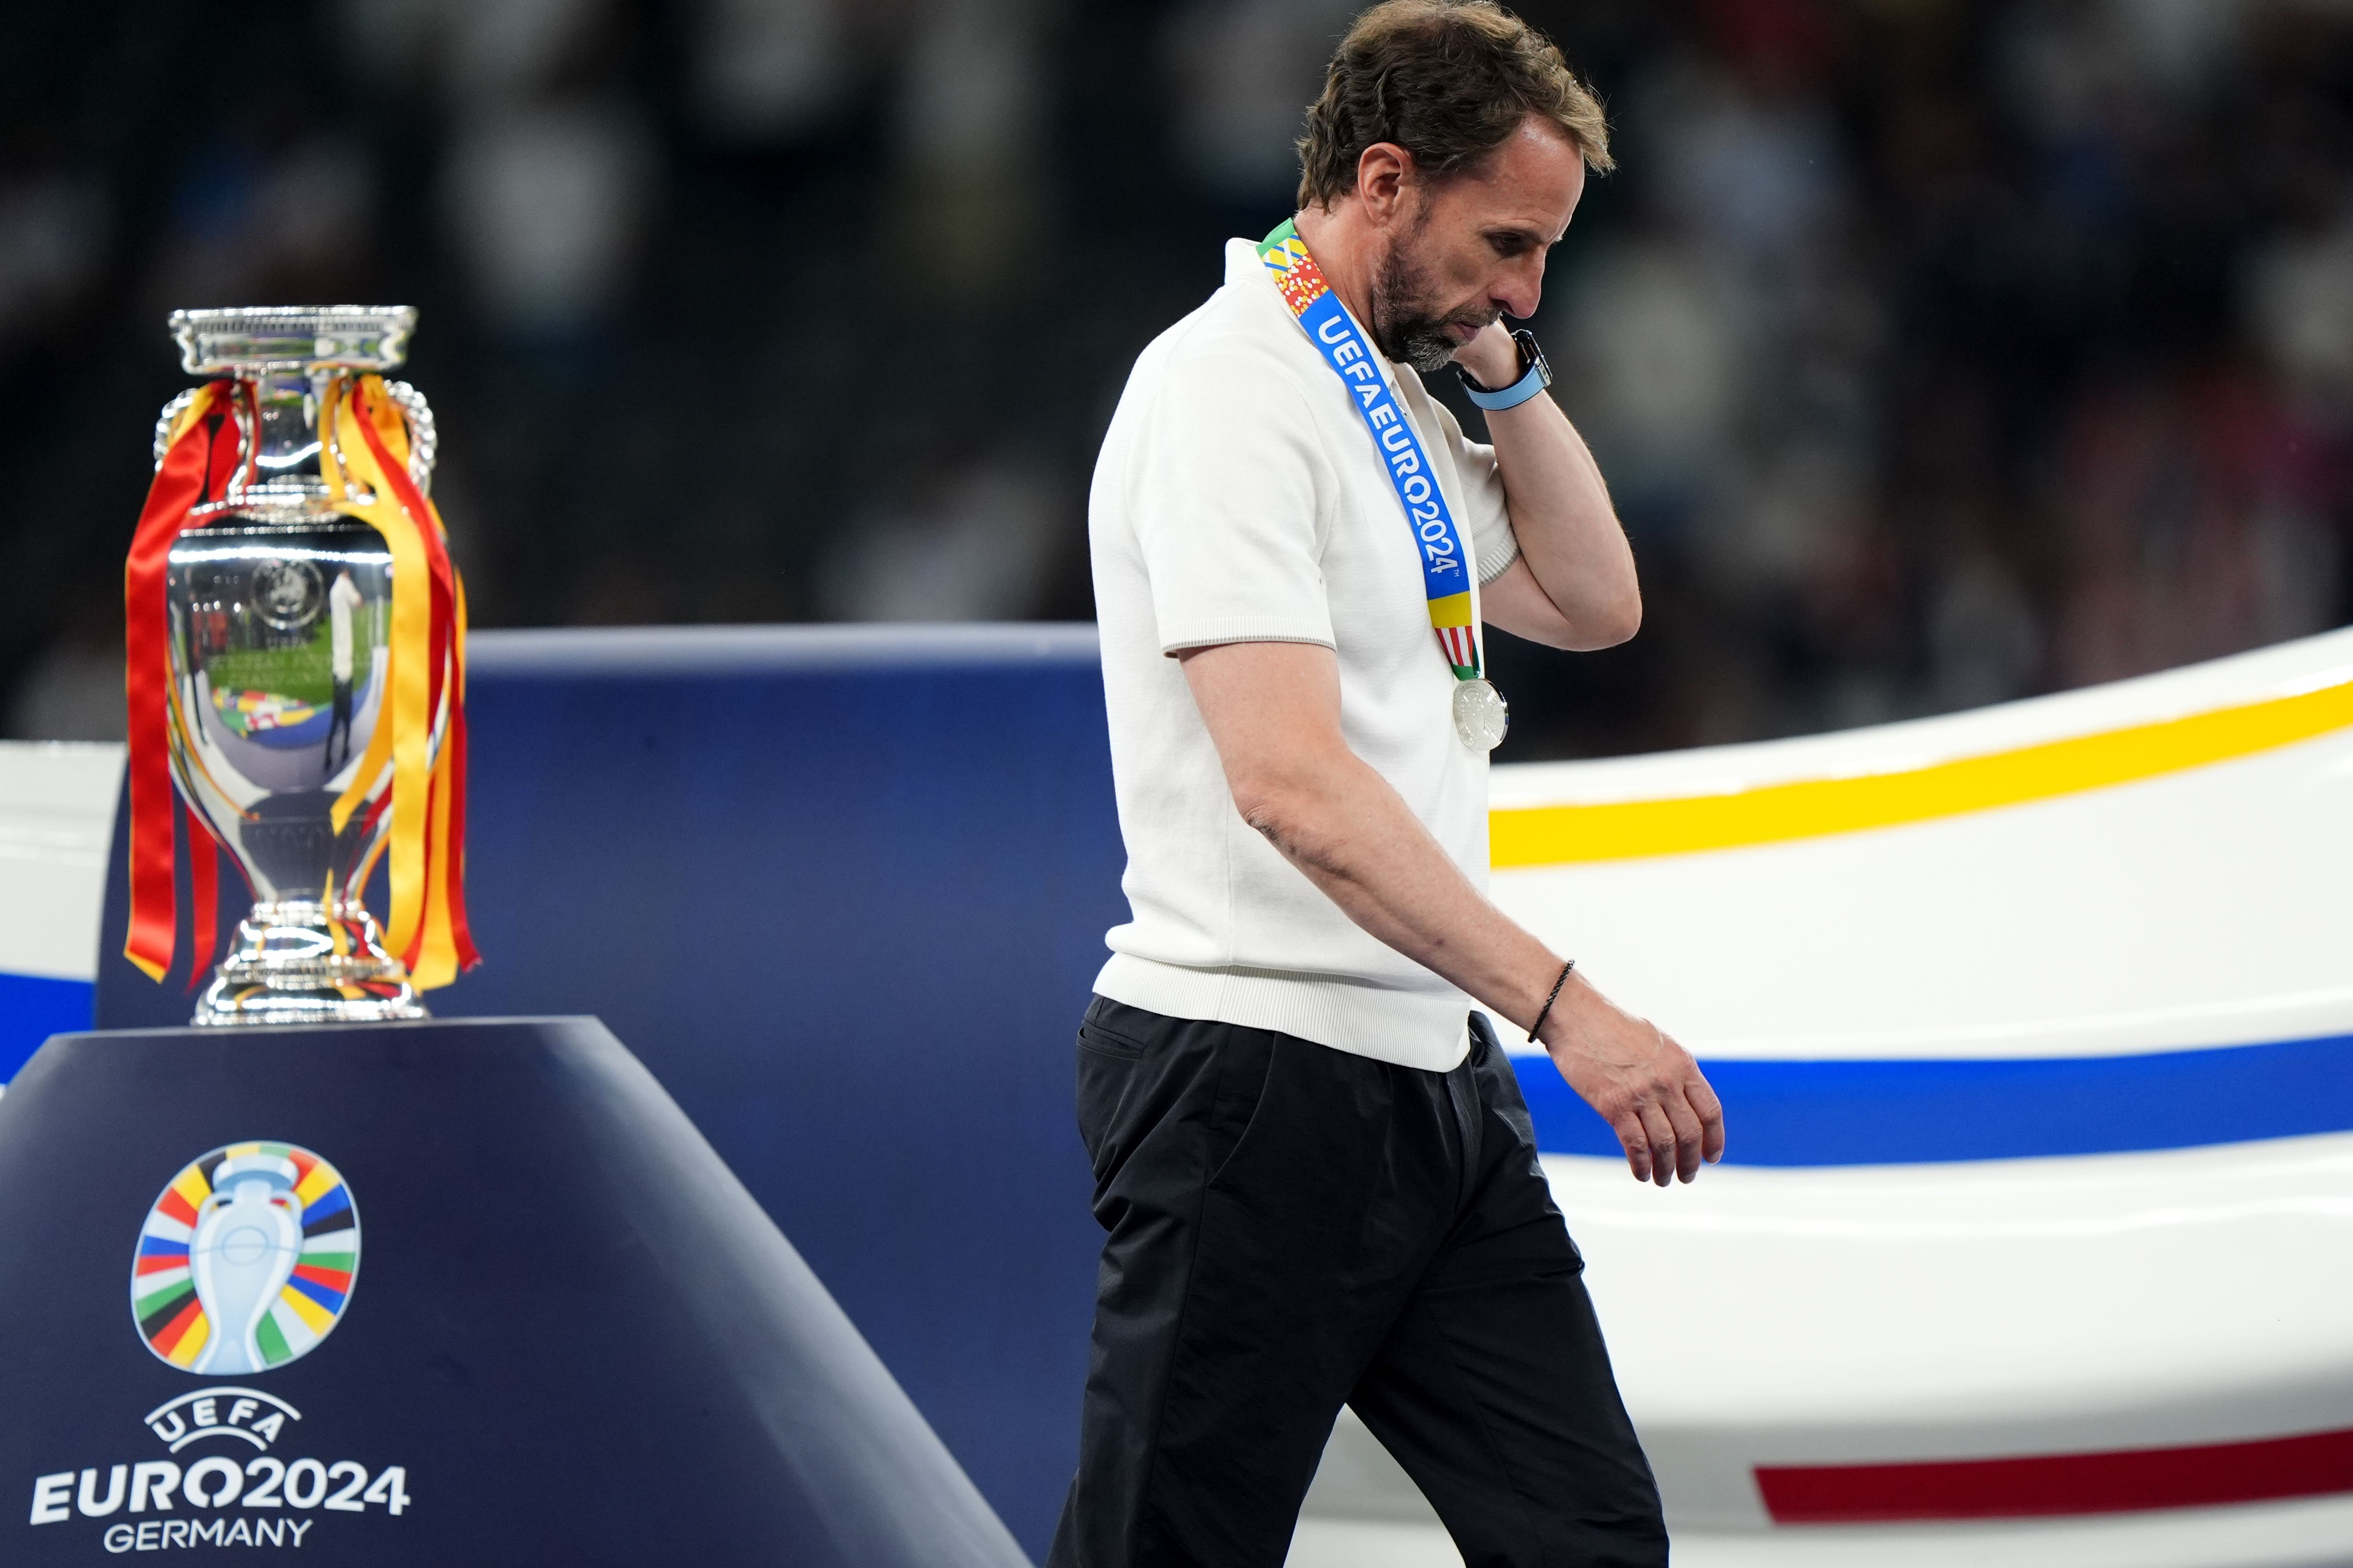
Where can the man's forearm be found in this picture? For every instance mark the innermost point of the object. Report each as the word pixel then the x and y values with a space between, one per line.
pixel 1357 841
pixel 1559 505
pixel 1273 711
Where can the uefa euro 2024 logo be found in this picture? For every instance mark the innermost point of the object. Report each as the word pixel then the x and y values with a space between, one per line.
pixel 245 1263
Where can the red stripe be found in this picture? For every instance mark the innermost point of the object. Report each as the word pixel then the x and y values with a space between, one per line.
pixel 204 895
pixel 178 1207
pixel 461 932
pixel 333 1279
pixel 416 948
pixel 375 816
pixel 197 465
pixel 167 1338
pixel 2124 1481
pixel 160 1262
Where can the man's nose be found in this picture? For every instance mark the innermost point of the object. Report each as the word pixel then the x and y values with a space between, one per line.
pixel 1521 290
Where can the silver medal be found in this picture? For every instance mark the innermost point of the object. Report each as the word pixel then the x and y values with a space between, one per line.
pixel 1479 716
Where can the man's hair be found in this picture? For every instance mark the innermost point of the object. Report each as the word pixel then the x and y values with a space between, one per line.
pixel 1448 80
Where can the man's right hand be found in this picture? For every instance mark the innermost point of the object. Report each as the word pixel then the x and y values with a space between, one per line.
pixel 1648 1088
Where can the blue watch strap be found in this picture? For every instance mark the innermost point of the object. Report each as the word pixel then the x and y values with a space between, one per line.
pixel 1538 377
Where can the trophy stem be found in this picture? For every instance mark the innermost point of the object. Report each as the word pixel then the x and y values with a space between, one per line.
pixel 306 962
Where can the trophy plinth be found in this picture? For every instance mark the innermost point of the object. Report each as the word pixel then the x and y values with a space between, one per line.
pixel 307 963
pixel 280 637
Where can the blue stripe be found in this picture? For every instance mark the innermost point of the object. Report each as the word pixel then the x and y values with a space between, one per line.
pixel 334 1200
pixel 1909 1112
pixel 158 1246
pixel 332 1299
pixel 32 1008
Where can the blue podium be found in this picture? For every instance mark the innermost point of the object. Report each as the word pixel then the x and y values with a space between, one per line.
pixel 843 890
pixel 468 1292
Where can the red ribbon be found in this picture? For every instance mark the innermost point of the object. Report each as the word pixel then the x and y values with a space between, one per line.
pixel 461 935
pixel 204 896
pixel 198 467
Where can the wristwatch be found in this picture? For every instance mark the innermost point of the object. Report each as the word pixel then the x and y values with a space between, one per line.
pixel 1535 376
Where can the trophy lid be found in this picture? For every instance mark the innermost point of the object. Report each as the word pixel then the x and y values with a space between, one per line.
pixel 292 337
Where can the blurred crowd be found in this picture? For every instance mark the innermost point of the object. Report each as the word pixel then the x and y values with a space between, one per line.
pixel 1938 352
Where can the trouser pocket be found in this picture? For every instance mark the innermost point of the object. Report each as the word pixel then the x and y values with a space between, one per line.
pixel 1108 1062
pixel 1164 1101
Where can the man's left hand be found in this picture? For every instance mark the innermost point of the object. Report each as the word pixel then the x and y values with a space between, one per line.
pixel 1491 358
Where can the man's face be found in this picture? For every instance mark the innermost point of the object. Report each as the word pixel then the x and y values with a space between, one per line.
pixel 1471 249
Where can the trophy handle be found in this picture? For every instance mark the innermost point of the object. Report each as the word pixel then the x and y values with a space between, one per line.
pixel 422 442
pixel 169 417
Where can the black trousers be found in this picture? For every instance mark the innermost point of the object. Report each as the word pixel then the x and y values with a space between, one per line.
pixel 1292 1227
pixel 339 723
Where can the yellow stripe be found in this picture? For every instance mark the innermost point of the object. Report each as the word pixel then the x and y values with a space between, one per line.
pixel 198 406
pixel 436 957
pixel 192 1343
pixel 1454 610
pixel 321 1179
pixel 192 1186
pixel 1810 808
pixel 403 714
pixel 378 754
pixel 318 1319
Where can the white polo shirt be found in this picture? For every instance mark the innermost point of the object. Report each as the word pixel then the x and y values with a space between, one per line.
pixel 1238 498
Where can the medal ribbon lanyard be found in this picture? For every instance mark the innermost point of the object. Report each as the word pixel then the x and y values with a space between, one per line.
pixel 1446 578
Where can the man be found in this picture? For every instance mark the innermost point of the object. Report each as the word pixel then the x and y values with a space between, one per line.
pixel 342 600
pixel 1320 1185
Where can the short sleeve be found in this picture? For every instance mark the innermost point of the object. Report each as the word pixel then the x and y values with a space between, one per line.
pixel 1225 506
pixel 1490 519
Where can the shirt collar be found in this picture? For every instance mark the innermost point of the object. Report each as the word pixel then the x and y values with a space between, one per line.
pixel 1245 271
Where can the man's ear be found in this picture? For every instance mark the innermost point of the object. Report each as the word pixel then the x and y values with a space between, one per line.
pixel 1383 171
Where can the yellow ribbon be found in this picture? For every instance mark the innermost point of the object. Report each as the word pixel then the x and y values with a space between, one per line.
pixel 419 842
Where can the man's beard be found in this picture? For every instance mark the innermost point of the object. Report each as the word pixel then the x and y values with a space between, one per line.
pixel 1405 324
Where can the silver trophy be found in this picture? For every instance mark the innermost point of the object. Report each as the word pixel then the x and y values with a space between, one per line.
pixel 280 640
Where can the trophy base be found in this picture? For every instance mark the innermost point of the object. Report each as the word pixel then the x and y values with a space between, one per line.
pixel 307 962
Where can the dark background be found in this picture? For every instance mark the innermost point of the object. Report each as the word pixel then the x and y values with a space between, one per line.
pixel 1938 352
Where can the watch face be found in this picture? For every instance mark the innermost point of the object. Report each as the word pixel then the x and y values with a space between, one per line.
pixel 1517 391
pixel 1532 356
